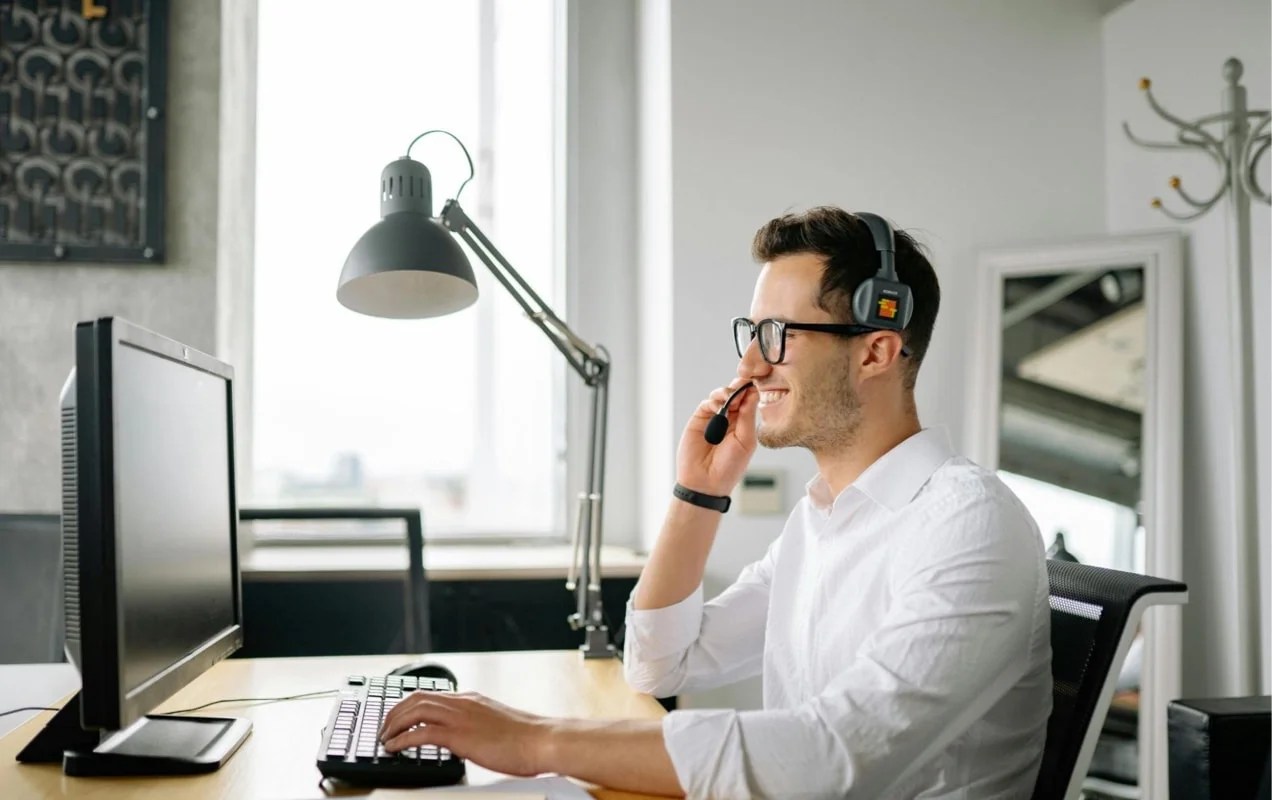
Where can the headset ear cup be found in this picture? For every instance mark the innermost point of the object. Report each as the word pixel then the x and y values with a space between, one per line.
pixel 882 303
pixel 907 305
pixel 862 300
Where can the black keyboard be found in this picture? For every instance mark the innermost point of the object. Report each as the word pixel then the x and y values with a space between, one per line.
pixel 351 749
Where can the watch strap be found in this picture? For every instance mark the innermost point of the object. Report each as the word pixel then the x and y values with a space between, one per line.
pixel 711 501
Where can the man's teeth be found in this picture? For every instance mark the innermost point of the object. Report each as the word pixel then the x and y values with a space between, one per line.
pixel 771 397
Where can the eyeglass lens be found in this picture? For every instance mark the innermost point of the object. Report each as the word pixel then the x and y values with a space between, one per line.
pixel 770 333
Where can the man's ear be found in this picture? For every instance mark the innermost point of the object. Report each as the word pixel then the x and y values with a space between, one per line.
pixel 883 350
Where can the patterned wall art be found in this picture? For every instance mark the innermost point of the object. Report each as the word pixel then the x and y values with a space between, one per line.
pixel 82 102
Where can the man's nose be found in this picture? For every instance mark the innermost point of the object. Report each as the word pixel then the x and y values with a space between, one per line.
pixel 752 365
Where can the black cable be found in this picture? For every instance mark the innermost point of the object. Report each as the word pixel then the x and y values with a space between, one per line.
pixel 27 708
pixel 196 708
pixel 471 172
pixel 255 700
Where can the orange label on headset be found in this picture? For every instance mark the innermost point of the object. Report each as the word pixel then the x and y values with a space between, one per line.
pixel 887 308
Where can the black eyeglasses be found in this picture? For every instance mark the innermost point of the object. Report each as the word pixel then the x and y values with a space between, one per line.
pixel 772 333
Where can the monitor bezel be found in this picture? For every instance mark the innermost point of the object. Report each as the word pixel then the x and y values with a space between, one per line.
pixel 105 703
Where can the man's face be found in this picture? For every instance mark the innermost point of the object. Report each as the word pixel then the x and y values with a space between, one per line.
pixel 808 400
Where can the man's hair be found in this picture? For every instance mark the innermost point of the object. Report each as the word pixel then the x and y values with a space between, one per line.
pixel 847 248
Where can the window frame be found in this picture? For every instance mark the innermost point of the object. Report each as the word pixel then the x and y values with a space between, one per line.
pixel 236 333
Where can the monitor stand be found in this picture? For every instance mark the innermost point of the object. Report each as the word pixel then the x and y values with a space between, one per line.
pixel 156 744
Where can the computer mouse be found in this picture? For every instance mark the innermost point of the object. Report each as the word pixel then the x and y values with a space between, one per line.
pixel 426 669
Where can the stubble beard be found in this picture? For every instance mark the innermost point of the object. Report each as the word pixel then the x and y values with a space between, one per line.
pixel 827 419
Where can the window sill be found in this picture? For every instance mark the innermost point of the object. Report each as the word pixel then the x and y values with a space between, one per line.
pixel 442 562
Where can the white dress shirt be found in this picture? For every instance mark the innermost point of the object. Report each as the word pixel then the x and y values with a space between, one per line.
pixel 903 633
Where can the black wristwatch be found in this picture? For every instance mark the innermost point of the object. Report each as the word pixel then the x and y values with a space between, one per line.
pixel 711 501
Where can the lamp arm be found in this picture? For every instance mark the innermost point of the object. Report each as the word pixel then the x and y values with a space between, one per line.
pixel 584 358
pixel 592 365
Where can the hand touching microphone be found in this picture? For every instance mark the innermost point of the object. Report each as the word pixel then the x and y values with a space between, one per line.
pixel 705 476
pixel 719 440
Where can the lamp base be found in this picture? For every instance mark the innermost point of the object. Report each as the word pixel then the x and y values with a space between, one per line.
pixel 596 643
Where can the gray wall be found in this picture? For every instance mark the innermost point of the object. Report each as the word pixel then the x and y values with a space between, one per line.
pixel 40 303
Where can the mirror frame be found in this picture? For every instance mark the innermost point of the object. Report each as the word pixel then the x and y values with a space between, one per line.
pixel 1160 254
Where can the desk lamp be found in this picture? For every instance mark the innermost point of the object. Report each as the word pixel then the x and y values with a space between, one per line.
pixel 407 266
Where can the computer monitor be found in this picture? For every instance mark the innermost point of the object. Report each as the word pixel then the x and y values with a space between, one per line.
pixel 150 564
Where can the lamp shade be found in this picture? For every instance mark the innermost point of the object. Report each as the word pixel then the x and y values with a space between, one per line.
pixel 407 266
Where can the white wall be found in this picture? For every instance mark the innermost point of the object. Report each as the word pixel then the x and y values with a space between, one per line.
pixel 971 124
pixel 1181 46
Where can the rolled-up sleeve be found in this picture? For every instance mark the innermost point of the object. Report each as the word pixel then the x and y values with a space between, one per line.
pixel 691 645
pixel 957 637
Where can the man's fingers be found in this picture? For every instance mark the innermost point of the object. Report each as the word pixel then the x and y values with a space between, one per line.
pixel 429 734
pixel 415 710
pixel 747 406
pixel 717 398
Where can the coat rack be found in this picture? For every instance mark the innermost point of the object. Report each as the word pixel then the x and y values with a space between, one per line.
pixel 1239 140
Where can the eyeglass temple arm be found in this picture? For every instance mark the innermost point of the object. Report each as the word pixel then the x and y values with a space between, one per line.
pixel 755 331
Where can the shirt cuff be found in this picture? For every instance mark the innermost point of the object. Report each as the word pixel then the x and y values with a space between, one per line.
pixel 662 632
pixel 706 752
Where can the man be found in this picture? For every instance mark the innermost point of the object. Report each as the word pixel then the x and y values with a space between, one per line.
pixel 900 620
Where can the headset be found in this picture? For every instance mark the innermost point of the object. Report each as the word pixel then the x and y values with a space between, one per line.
pixel 882 302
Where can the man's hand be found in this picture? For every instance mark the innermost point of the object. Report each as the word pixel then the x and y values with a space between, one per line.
pixel 621 754
pixel 471 726
pixel 679 557
pixel 716 469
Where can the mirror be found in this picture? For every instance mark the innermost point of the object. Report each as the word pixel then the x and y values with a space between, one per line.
pixel 1078 407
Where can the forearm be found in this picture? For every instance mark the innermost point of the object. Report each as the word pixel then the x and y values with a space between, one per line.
pixel 679 558
pixel 628 755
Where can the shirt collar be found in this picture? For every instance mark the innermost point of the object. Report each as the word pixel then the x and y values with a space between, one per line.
pixel 894 478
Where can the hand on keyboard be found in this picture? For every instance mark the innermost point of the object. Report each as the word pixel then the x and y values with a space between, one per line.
pixel 471 726
pixel 351 749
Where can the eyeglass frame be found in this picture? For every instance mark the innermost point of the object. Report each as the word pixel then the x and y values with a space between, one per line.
pixel 841 329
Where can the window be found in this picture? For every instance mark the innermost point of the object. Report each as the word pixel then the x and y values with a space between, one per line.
pixel 461 416
pixel 1096 531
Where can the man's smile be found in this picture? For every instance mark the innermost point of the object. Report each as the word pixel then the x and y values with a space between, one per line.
pixel 771 397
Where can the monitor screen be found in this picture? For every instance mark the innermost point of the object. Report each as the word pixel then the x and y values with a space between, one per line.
pixel 149 519
pixel 172 514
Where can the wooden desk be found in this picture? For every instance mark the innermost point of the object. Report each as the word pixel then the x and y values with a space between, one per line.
pixel 277 760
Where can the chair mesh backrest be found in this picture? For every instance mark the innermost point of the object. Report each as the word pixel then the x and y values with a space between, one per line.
pixel 1090 608
pixel 31 625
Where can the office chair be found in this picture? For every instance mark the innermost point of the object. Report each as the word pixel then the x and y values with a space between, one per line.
pixel 31 625
pixel 1095 613
pixel 417 637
